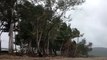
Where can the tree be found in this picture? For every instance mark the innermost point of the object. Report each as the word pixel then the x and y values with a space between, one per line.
pixel 9 17
pixel 83 49
pixel 66 35
pixel 34 24
pixel 41 23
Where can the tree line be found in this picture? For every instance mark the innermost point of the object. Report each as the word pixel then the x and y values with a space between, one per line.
pixel 40 29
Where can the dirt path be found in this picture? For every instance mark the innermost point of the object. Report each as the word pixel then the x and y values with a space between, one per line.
pixel 8 57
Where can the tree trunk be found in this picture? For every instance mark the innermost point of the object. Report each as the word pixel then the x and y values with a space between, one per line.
pixel 38 49
pixel 0 44
pixel 11 38
pixel 75 52
pixel 15 48
pixel 1 33
pixel 22 47
pixel 0 41
pixel 29 48
pixel 61 48
pixel 47 47
pixel 38 39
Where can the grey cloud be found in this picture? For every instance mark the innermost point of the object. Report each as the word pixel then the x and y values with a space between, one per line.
pixel 91 19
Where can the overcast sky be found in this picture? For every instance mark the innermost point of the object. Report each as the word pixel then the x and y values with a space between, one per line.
pixel 90 18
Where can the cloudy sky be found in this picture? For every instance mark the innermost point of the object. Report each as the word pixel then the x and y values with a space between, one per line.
pixel 90 18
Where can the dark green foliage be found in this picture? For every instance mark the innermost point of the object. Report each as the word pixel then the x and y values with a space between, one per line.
pixel 83 49
pixel 8 13
pixel 41 29
pixel 39 26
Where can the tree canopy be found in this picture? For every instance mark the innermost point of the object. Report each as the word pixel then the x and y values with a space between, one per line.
pixel 40 26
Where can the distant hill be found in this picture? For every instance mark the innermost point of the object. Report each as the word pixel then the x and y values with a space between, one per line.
pixel 99 51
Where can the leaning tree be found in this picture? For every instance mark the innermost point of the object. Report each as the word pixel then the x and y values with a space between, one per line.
pixel 43 16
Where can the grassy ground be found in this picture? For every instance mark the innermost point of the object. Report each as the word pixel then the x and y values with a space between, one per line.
pixel 9 57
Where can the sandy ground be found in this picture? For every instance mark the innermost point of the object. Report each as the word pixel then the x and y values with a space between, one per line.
pixel 8 57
